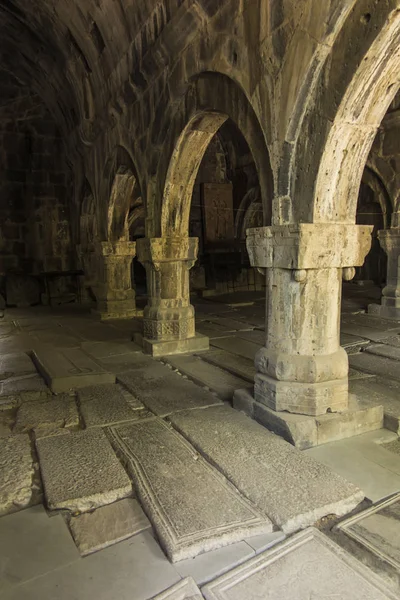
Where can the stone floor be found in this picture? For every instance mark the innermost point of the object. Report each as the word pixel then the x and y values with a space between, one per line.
pixel 109 489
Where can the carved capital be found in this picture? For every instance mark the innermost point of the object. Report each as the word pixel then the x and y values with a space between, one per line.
pixel 308 245
pixel 116 248
pixel 389 239
pixel 168 249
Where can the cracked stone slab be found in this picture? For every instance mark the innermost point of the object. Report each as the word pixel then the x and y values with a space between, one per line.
pixel 102 405
pixel 69 368
pixel 378 529
pixel 80 471
pixel 192 506
pixel 308 565
pixel 58 412
pixel 291 488
pixel 108 525
pixel 183 590
pixel 163 392
pixel 16 473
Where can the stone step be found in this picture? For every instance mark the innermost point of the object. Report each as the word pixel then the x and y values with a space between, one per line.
pixel 308 565
pixel 191 505
pixel 69 368
pixel 162 391
pixel 237 365
pixel 376 365
pixel 292 489
pixel 384 350
pixel 215 379
pixel 236 345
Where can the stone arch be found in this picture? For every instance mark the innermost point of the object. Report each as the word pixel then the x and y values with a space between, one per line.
pixel 211 99
pixel 124 192
pixel 360 112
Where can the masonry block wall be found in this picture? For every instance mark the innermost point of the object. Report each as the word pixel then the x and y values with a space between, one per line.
pixel 34 185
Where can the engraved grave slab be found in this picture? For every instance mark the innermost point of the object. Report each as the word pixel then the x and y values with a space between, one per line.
pixel 178 490
pixel 308 565
pixel 378 529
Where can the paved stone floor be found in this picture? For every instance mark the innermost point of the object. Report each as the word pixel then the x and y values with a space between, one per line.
pixel 93 455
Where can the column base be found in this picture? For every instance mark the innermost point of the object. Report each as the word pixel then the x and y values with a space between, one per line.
pixel 384 312
pixel 305 431
pixel 302 398
pixel 127 313
pixel 198 343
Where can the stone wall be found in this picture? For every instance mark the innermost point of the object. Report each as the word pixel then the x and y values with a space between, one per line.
pixel 35 185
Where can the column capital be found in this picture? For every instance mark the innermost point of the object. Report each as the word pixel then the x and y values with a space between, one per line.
pixel 167 249
pixel 124 248
pixel 389 239
pixel 308 245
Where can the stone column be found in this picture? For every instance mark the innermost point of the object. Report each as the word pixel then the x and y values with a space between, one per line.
pixel 112 284
pixel 390 302
pixel 302 368
pixel 168 319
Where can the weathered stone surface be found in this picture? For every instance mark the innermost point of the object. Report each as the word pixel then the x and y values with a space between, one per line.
pixel 69 369
pixel 237 346
pixel 377 365
pixel 16 365
pixel 58 412
pixel 30 387
pixel 179 500
pixel 237 365
pixel 16 473
pixel 163 391
pixel 102 350
pixel 184 590
pixel 222 383
pixel 292 490
pixel 378 529
pixel 197 343
pixel 102 405
pixel 304 431
pixel 108 525
pixel 21 560
pixel 308 564
pixel 80 471
pixel 384 350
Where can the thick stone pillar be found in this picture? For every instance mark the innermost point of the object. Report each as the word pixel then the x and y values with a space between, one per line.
pixel 390 302
pixel 112 284
pixel 302 368
pixel 168 319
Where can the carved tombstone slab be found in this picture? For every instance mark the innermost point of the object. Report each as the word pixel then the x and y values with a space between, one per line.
pixel 378 529
pixel 218 212
pixel 183 590
pixel 308 565
pixel 178 491
pixel 69 368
